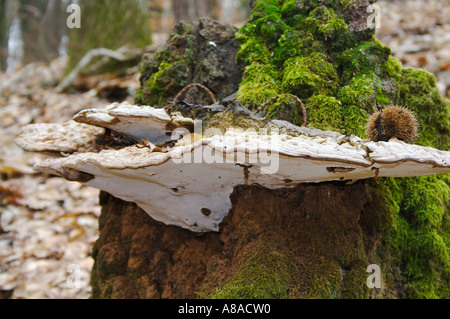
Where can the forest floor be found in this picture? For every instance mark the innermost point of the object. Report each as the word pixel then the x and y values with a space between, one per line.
pixel 48 225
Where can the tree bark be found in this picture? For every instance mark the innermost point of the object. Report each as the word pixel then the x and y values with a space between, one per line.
pixel 138 257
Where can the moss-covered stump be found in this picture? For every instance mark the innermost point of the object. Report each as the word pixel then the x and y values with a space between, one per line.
pixel 310 241
pixel 325 52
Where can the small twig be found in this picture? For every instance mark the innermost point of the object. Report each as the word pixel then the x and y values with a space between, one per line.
pixel 273 99
pixel 188 87
pixel 305 117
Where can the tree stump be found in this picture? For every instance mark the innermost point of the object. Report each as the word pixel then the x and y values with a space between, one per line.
pixel 307 241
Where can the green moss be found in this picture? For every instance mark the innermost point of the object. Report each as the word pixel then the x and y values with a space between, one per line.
pixel 353 116
pixel 330 281
pixel 285 108
pixel 260 83
pixel 169 78
pixel 271 27
pixel 324 112
pixel 381 98
pixel 420 232
pixel 291 43
pixel 305 76
pixel 327 281
pixel 265 273
pixel 329 27
pixel 354 283
pixel 392 68
pixel 366 58
pixel 253 51
pixel 165 75
pixel 418 91
pixel 359 92
pixel 303 44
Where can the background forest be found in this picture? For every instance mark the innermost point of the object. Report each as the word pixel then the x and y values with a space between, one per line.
pixel 47 225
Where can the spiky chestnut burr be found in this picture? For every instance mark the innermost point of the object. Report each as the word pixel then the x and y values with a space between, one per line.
pixel 393 121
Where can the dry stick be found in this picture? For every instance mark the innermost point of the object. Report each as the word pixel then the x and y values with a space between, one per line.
pixel 188 87
pixel 273 99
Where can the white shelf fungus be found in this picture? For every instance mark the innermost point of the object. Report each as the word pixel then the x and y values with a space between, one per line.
pixel 190 183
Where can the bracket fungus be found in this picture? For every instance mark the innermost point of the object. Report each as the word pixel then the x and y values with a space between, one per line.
pixel 189 182
pixel 137 122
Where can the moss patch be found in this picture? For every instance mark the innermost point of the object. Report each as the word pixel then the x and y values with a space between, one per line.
pixel 313 49
pixel 324 112
pixel 307 76
pixel 300 242
pixel 265 272
pixel 418 91
pixel 307 48
pixel 260 83
pixel 421 234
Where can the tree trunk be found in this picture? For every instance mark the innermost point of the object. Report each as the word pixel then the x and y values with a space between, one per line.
pixel 311 240
pixel 8 12
pixel 43 26
pixel 109 24
pixel 3 36
pixel 144 258
pixel 192 10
